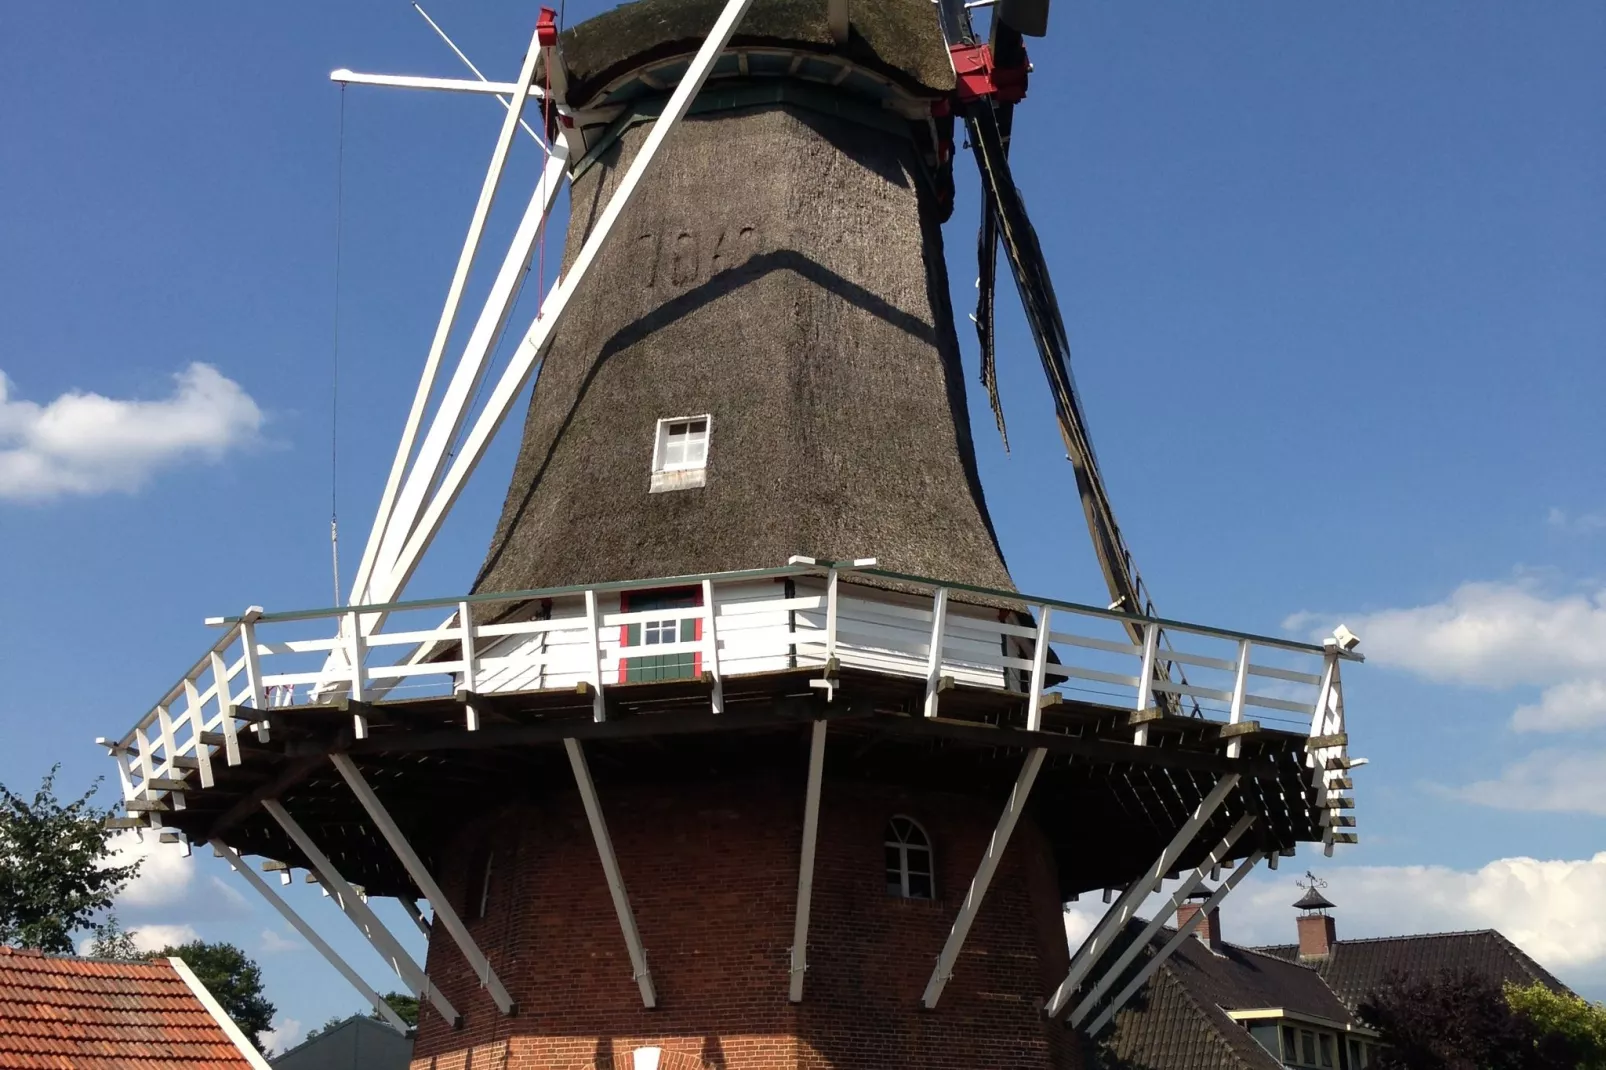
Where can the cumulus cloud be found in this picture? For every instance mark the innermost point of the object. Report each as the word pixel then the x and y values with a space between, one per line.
pixel 84 443
pixel 1576 524
pixel 1549 908
pixel 1499 635
pixel 273 942
pixel 1496 634
pixel 285 1034
pixel 156 937
pixel 164 873
pixel 1546 780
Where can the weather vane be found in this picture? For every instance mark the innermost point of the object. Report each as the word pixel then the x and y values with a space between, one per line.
pixel 1311 882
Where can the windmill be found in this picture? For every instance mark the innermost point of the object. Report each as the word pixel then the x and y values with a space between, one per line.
pixel 689 778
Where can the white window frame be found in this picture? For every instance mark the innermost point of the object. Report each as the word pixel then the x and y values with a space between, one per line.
pixel 680 475
pixel 903 859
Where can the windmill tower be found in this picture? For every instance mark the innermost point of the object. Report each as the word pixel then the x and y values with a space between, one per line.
pixel 744 751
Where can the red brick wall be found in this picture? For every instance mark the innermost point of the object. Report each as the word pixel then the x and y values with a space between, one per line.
pixel 711 870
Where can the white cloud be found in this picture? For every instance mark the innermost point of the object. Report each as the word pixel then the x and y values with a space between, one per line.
pixel 274 942
pixel 1549 908
pixel 1546 780
pixel 1576 704
pixel 156 937
pixel 1582 524
pixel 164 873
pixel 1500 635
pixel 84 443
pixel 1495 634
pixel 285 1034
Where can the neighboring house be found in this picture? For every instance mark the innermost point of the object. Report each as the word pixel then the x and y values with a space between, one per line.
pixel 1217 1006
pixel 96 1014
pixel 357 1043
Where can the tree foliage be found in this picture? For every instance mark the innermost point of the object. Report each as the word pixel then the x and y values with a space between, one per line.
pixel 1581 1022
pixel 234 980
pixel 405 1006
pixel 54 876
pixel 1460 1021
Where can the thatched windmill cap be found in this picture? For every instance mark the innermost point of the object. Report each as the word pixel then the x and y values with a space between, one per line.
pixel 897 39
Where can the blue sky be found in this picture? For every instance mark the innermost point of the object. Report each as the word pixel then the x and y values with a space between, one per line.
pixel 1335 281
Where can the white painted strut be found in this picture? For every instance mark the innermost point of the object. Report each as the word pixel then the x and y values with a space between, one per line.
pixel 453 408
pixel 371 559
pixel 1121 912
pixel 1183 932
pixel 984 876
pixel 361 914
pixel 533 349
pixel 424 880
pixel 610 870
pixel 310 935
pixel 805 869
pixel 1178 897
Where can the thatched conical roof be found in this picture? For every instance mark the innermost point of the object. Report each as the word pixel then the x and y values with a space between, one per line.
pixel 780 270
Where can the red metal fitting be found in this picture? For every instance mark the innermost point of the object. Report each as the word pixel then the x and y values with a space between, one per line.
pixel 546 27
pixel 973 64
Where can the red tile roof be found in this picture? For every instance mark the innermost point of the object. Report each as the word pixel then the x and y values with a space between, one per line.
pixel 91 1014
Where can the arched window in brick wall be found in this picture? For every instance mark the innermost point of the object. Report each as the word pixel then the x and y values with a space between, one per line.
pixel 908 850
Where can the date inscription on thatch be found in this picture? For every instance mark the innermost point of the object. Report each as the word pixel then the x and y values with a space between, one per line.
pixel 684 258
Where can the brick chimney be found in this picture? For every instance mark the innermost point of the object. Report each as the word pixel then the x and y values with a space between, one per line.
pixel 1209 930
pixel 1316 936
pixel 1316 932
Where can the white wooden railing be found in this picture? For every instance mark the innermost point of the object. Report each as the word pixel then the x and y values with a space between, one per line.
pixel 804 616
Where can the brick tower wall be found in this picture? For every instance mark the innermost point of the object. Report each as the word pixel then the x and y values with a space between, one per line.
pixel 711 871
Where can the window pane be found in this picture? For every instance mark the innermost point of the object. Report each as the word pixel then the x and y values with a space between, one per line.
pixel 894 859
pixel 1327 1049
pixel 919 860
pixel 1290 1052
pixel 697 451
pixel 1308 1044
pixel 919 885
pixel 697 427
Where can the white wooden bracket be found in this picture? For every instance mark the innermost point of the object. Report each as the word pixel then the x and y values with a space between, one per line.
pixel 1126 906
pixel 610 870
pixel 1183 932
pixel 1034 697
pixel 425 881
pixel 1178 897
pixel 805 870
pixel 939 622
pixel 361 914
pixel 984 876
pixel 711 648
pixel 310 935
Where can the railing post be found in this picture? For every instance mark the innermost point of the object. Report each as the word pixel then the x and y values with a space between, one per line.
pixel 830 619
pixel 253 667
pixel 1240 686
pixel 169 747
pixel 355 653
pixel 711 648
pixel 465 623
pixel 192 711
pixel 225 707
pixel 599 711
pixel 1151 642
pixel 939 622
pixel 1034 697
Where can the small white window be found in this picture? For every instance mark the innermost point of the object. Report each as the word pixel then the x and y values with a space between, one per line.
pixel 680 453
